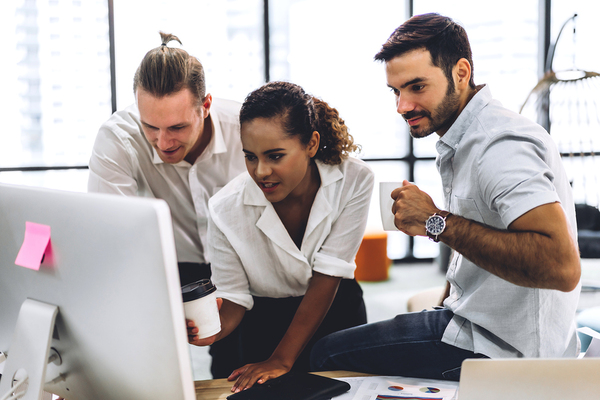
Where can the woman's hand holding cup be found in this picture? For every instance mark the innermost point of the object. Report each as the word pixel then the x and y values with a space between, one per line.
pixel 192 331
pixel 201 308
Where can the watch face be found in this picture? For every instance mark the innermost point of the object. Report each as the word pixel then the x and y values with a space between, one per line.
pixel 435 225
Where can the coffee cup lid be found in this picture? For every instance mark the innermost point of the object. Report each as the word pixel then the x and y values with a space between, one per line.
pixel 198 289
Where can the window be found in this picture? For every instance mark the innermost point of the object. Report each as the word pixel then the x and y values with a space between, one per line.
pixel 226 36
pixel 58 91
pixel 504 43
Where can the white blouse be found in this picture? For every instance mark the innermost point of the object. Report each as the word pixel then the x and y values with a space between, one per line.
pixel 252 253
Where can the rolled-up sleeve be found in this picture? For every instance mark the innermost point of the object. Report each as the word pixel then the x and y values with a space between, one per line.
pixel 336 255
pixel 515 179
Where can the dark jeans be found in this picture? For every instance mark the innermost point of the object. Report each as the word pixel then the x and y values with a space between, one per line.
pixel 408 345
pixel 263 327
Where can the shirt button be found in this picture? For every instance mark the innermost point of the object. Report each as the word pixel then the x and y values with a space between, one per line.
pixel 447 190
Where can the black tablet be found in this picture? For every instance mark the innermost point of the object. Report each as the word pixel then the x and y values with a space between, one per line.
pixel 294 386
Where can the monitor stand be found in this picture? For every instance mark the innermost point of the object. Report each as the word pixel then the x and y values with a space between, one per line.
pixel 29 349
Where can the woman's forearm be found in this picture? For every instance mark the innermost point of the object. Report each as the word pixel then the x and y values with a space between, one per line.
pixel 311 312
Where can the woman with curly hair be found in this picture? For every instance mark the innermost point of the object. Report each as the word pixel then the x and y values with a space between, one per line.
pixel 283 237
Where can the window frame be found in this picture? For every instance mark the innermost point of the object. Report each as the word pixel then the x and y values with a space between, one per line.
pixel 544 43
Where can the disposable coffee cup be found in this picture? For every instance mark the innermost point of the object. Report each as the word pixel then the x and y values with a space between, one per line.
pixel 200 305
pixel 385 204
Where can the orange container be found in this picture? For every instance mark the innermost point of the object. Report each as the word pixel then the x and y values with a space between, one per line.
pixel 372 262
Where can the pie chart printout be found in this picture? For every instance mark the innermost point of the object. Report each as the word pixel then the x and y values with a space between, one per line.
pixel 429 390
pixel 396 388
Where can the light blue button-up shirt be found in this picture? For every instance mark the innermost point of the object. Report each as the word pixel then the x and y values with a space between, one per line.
pixel 497 165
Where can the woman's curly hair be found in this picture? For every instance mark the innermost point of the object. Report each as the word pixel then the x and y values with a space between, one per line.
pixel 337 143
pixel 302 114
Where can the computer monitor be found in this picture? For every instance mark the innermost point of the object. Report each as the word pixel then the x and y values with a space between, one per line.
pixel 108 300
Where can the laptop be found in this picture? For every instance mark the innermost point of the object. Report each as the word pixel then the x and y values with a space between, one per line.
pixel 530 379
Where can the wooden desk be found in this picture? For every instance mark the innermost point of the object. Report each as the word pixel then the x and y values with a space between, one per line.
pixel 219 389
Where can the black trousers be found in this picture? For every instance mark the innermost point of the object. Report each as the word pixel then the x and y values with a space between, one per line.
pixel 263 327
pixel 191 272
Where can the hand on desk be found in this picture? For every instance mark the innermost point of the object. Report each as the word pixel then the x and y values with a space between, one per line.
pixel 192 330
pixel 261 372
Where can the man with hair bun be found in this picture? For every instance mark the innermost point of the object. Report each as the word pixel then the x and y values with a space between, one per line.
pixel 176 143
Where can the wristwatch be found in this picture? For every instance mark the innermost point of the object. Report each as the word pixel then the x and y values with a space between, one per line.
pixel 436 224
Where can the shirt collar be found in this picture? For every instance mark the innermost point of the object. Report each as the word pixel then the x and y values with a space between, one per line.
pixel 456 132
pixel 216 145
pixel 270 223
pixel 254 196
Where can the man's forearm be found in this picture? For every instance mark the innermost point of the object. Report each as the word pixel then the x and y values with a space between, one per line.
pixel 537 250
pixel 524 258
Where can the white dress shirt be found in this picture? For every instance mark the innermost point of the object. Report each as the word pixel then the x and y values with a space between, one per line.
pixel 123 162
pixel 252 253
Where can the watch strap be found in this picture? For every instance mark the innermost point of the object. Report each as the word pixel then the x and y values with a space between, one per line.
pixel 443 213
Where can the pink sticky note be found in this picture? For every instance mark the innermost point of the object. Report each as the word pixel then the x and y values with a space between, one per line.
pixel 37 240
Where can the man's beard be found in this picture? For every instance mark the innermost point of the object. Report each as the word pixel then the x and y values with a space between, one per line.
pixel 442 118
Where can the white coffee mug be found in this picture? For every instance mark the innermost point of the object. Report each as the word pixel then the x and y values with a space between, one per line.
pixel 200 305
pixel 385 204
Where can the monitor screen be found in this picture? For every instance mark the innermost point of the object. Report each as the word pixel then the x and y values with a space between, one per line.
pixel 105 304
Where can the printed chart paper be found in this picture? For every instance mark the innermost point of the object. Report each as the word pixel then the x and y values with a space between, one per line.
pixel 398 388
